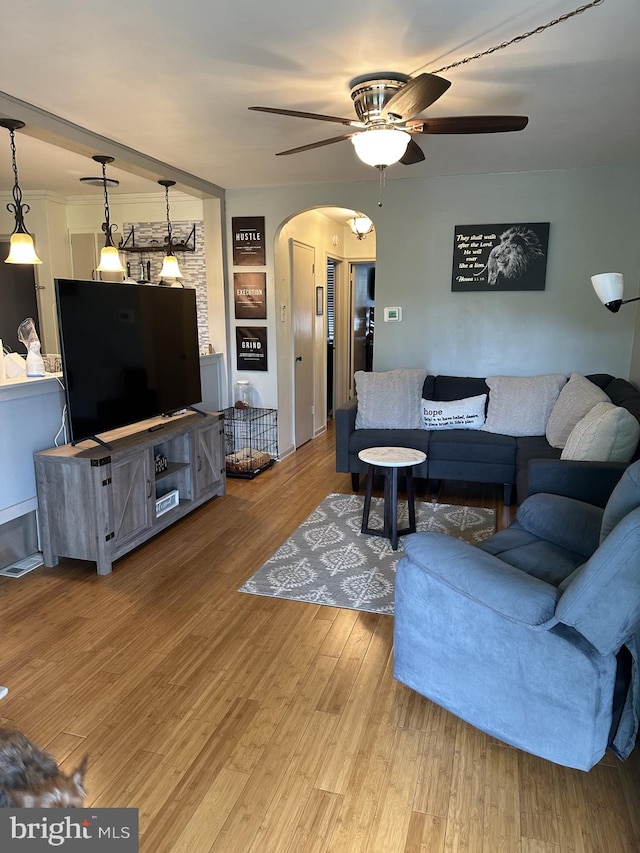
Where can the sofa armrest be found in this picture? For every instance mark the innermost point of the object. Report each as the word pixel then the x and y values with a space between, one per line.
pixel 345 420
pixel 483 578
pixel 591 482
pixel 565 522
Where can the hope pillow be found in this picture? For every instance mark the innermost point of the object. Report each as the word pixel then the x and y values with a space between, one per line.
pixel 454 414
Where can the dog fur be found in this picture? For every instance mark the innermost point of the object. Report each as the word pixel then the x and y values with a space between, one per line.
pixel 31 778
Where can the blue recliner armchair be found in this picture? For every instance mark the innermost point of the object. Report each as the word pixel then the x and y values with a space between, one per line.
pixel 532 636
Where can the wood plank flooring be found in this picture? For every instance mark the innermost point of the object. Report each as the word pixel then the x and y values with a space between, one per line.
pixel 242 724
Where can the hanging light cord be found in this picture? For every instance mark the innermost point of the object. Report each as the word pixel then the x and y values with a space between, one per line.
pixel 106 225
pixel 169 231
pixel 515 40
pixel 17 208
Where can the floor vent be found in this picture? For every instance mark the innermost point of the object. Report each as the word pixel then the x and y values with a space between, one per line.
pixel 21 567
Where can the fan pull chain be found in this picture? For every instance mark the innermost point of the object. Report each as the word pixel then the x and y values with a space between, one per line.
pixel 383 180
pixel 515 40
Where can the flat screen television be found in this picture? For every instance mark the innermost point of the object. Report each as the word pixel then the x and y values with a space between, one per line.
pixel 129 352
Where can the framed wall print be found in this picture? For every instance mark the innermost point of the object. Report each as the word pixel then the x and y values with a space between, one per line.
pixel 500 257
pixel 251 347
pixel 319 300
pixel 248 241
pixel 250 295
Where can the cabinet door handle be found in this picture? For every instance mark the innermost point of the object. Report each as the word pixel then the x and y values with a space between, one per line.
pixel 199 463
pixel 150 487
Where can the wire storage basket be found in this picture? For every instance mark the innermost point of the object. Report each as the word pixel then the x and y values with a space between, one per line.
pixel 251 440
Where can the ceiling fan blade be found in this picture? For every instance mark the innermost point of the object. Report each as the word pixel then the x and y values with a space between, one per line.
pixel 316 144
pixel 416 96
pixel 470 124
pixel 413 154
pixel 349 122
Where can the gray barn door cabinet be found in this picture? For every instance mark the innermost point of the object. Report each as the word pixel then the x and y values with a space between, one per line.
pixel 97 503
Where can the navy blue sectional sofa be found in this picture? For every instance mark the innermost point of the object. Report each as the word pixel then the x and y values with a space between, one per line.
pixel 484 457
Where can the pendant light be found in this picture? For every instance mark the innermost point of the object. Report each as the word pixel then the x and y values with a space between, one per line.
pixel 109 256
pixel 22 250
pixel 360 225
pixel 170 268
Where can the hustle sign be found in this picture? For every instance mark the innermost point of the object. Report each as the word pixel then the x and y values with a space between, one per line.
pixel 248 241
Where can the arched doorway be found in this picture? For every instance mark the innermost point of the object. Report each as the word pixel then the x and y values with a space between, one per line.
pixel 316 260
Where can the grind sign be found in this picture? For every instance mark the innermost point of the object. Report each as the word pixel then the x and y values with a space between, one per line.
pixel 251 347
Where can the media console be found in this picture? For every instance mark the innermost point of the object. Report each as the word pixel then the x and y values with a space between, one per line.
pixel 98 504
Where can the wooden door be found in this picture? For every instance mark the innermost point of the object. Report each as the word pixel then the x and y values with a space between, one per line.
pixel 303 279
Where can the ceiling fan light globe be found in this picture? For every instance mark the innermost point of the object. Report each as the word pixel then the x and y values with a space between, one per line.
pixel 380 147
pixel 110 260
pixel 609 287
pixel 22 250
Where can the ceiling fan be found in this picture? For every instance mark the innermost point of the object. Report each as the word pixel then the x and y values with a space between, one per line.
pixel 388 106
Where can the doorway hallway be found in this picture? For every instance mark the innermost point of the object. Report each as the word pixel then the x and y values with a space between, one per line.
pixel 321 272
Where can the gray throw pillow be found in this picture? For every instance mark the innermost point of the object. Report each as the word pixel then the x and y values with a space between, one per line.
pixel 521 405
pixel 575 399
pixel 389 399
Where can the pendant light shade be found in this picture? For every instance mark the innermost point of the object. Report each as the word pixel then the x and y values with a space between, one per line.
pixel 109 256
pixel 170 268
pixel 22 250
pixel 110 260
pixel 380 146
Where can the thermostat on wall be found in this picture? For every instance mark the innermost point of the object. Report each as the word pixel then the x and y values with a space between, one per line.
pixel 392 315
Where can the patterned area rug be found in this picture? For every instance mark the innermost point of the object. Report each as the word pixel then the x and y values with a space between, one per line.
pixel 328 560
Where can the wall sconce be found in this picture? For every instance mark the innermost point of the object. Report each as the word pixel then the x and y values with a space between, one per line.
pixel 170 268
pixel 109 257
pixel 22 250
pixel 609 287
pixel 360 225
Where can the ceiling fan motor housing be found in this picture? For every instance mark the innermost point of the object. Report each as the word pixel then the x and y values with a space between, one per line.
pixel 371 92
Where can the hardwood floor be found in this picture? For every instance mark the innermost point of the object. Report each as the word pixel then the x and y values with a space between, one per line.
pixel 242 724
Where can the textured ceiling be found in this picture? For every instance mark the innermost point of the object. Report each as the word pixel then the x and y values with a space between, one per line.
pixel 174 81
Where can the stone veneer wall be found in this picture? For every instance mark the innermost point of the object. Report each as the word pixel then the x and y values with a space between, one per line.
pixel 191 264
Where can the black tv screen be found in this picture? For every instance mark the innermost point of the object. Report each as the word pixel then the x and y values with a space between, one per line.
pixel 129 352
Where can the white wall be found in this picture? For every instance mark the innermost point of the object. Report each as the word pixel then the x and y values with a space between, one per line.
pixel 594 221
pixel 594 218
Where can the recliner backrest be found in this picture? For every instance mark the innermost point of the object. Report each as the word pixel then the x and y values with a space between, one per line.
pixel 624 498
pixel 602 601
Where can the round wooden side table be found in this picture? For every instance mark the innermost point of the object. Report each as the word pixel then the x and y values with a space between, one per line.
pixel 391 460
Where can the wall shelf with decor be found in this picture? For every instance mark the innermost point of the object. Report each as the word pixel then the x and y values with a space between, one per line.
pixel 128 243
